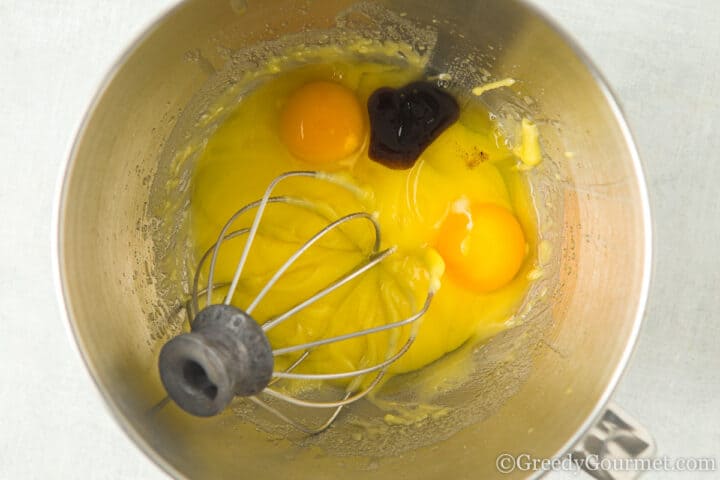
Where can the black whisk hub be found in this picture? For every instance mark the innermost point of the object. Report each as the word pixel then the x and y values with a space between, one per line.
pixel 226 354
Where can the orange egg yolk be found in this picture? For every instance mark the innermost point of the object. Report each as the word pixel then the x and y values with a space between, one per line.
pixel 483 246
pixel 322 122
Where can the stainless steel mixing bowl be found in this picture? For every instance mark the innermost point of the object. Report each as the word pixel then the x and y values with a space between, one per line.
pixel 111 283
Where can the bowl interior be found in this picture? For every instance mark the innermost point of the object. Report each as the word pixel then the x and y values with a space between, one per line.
pixel 538 385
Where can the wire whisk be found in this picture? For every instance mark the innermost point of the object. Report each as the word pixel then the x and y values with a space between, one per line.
pixel 227 353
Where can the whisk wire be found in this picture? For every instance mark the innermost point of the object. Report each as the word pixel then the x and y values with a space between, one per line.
pixel 335 376
pixel 381 368
pixel 347 400
pixel 359 333
pixel 224 236
pixel 352 274
pixel 296 424
pixel 313 240
pixel 256 224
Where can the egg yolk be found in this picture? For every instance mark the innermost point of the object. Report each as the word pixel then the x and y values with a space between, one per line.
pixel 483 246
pixel 322 122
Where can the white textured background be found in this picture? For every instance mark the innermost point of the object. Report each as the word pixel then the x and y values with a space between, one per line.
pixel 661 56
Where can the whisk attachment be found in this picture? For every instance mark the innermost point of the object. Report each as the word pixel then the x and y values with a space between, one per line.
pixel 227 353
